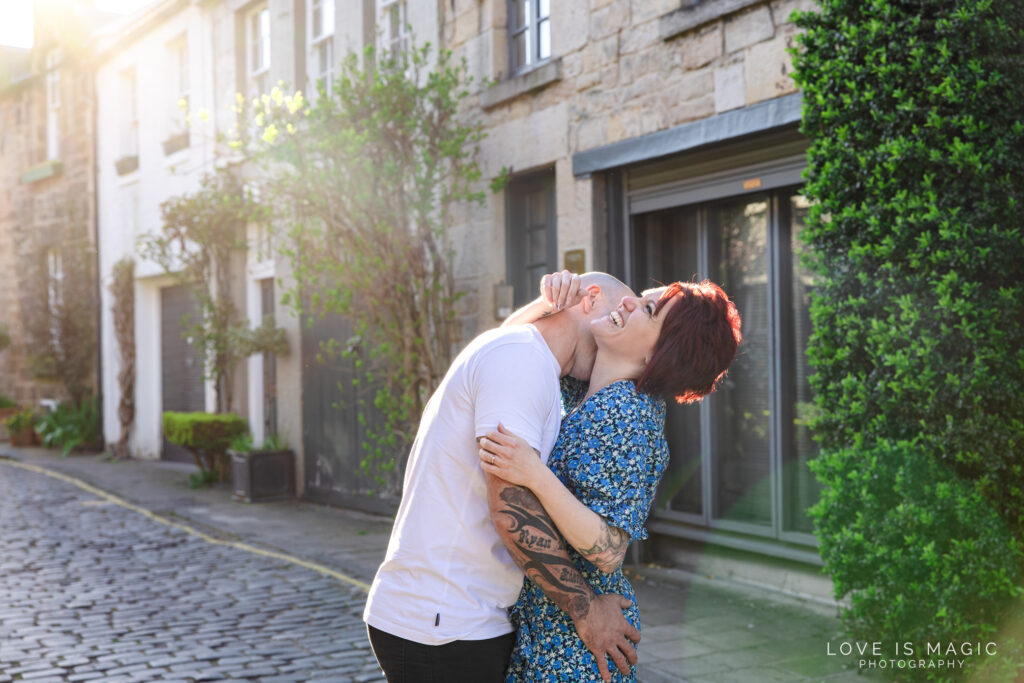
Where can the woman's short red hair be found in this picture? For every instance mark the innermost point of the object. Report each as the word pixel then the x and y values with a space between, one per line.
pixel 698 341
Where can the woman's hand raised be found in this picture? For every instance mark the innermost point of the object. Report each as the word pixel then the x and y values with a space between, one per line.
pixel 561 290
pixel 509 457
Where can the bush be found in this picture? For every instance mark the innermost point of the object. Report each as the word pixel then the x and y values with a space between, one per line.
pixel 915 168
pixel 7 402
pixel 243 444
pixel 68 426
pixel 206 436
pixel 21 422
pixel 924 556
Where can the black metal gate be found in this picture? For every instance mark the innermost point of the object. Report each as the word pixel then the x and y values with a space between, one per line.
pixel 180 369
pixel 332 435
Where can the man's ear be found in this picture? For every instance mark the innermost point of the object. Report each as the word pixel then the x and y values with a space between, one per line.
pixel 590 298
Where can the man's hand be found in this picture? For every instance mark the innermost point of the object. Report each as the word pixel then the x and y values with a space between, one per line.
pixel 606 633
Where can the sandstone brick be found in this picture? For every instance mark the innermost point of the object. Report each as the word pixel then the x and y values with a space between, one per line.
pixel 466 26
pixel 644 10
pixel 747 28
pixel 768 70
pixel 609 20
pixel 568 17
pixel 638 37
pixel 782 9
pixel 597 55
pixel 730 91
pixel 690 110
pixel 590 133
pixel 702 47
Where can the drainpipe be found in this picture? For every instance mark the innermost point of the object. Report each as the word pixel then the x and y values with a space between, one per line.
pixel 94 171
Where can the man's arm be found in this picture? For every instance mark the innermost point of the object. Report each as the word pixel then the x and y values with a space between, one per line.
pixel 536 546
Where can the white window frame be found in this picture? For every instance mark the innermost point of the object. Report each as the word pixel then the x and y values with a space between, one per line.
pixel 55 291
pixel 257 50
pixel 537 32
pixel 130 106
pixel 52 105
pixel 321 45
pixel 394 18
pixel 178 65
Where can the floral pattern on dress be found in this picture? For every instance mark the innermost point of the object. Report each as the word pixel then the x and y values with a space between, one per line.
pixel 610 453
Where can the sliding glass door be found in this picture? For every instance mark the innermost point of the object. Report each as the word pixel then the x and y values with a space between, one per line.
pixel 739 459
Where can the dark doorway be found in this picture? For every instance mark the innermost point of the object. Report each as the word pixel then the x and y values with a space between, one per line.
pixel 181 371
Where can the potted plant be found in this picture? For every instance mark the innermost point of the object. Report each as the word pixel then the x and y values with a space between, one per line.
pixel 8 407
pixel 264 473
pixel 21 427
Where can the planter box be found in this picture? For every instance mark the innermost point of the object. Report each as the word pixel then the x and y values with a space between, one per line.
pixel 127 164
pixel 175 143
pixel 25 438
pixel 263 475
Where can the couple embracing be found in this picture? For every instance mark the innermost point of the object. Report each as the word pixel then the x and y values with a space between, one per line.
pixel 539 454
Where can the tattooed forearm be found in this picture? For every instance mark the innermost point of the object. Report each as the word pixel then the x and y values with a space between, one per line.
pixel 608 550
pixel 538 548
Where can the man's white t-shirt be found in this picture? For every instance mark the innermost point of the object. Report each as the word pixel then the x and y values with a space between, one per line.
pixel 447 576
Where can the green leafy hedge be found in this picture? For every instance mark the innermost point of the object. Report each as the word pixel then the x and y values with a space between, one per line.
pixel 206 435
pixel 916 167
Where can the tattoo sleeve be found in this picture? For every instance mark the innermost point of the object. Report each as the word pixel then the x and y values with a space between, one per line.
pixel 608 550
pixel 536 546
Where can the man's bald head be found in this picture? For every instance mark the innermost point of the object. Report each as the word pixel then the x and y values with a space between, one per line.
pixel 612 291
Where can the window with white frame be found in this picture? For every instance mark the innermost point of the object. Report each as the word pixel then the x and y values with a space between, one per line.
pixel 395 24
pixel 529 33
pixel 52 105
pixel 177 58
pixel 321 45
pixel 130 109
pixel 257 41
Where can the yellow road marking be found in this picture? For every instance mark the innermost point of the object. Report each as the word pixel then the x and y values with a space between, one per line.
pixel 111 498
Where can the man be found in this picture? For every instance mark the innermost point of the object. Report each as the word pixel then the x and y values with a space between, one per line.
pixel 437 609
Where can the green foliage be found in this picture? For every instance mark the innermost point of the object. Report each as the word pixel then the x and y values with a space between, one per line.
pixel 243 444
pixel 21 422
pixel 363 182
pixel 915 168
pixel 200 233
pixel 924 556
pixel 267 338
pixel 69 425
pixel 206 435
pixel 198 480
pixel 7 402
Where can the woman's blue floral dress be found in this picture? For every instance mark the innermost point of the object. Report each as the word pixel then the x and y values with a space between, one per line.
pixel 610 454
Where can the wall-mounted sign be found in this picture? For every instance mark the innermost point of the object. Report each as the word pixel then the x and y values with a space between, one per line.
pixel 575 261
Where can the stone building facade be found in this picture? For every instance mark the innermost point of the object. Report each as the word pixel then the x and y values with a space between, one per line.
pixel 658 140
pixel 47 201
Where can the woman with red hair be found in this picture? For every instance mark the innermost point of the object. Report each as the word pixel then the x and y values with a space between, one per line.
pixel 673 342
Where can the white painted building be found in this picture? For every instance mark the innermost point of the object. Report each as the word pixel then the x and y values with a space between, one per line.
pixel 178 58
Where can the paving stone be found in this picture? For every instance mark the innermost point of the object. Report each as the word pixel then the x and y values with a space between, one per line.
pixel 107 594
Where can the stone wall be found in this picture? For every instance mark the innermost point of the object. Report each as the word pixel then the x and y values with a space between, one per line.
pixel 620 69
pixel 36 213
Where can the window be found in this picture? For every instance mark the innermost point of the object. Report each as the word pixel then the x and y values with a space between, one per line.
pixel 258 51
pixel 177 52
pixel 530 233
pixel 130 109
pixel 740 459
pixel 321 45
pixel 529 33
pixel 395 24
pixel 269 363
pixel 52 105
pixel 55 292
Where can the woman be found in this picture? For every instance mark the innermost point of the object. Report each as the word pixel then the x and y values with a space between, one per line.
pixel 599 482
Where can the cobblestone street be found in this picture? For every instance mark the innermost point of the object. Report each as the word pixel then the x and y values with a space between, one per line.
pixel 91 590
